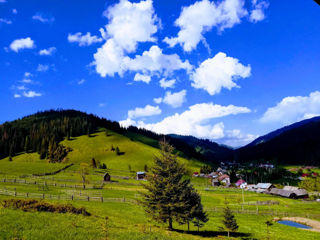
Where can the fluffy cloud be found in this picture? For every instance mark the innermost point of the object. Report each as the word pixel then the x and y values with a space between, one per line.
pixel 83 40
pixel 6 21
pixel 292 109
pixel 257 14
pixel 131 23
pixel 219 72
pixel 42 68
pixel 31 94
pixel 193 121
pixel 16 95
pixel 154 61
pixel 47 52
pixel 40 17
pixel 158 100
pixel 201 16
pixel 143 78
pixel 167 83
pixel 22 43
pixel 236 138
pixel 175 99
pixel 110 60
pixel 147 111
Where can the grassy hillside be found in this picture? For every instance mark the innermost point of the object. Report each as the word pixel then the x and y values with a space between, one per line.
pixel 134 153
pixel 126 218
pixel 98 146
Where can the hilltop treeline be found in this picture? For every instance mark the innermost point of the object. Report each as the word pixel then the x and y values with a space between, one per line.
pixel 43 131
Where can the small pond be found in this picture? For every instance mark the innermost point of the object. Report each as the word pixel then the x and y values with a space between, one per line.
pixel 294 224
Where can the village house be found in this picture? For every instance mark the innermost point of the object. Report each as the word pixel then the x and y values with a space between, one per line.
pixel 241 183
pixel 260 187
pixel 290 192
pixel 224 179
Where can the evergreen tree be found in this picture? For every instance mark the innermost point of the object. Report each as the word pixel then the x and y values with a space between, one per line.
pixel 118 151
pixel 269 224
pixel 229 221
pixel 167 197
pixel 93 163
pixel 146 168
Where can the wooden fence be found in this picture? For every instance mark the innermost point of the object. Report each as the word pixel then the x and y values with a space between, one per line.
pixel 14 193
pixel 44 183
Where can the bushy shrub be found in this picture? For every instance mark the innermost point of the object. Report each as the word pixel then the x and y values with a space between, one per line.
pixel 42 206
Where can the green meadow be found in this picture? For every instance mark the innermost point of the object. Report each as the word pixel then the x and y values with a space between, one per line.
pixel 119 216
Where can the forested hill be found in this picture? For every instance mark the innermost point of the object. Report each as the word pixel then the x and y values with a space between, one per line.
pixel 43 131
pixel 298 143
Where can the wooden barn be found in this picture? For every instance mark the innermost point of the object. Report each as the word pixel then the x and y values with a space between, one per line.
pixel 106 177
pixel 140 175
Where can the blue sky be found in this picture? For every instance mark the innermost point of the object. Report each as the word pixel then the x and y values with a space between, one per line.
pixel 227 70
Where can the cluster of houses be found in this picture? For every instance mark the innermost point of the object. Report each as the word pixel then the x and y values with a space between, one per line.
pixel 287 191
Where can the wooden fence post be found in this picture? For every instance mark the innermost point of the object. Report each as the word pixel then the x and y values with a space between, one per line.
pixel 101 199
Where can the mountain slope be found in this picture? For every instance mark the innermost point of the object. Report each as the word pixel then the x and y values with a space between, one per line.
pixel 43 133
pixel 211 151
pixel 298 143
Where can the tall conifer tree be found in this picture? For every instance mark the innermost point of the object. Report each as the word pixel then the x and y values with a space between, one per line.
pixel 169 196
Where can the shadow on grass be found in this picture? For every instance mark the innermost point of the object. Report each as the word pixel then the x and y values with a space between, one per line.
pixel 211 234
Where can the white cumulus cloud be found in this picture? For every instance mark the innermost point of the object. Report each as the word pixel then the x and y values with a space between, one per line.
pixel 22 43
pixel 31 94
pixel 131 23
pixel 154 61
pixel 193 121
pixel 201 16
pixel 158 100
pixel 142 78
pixel 257 14
pixel 175 99
pixel 47 52
pixel 40 17
pixel 293 108
pixel 83 40
pixel 42 68
pixel 167 83
pixel 219 72
pixel 147 111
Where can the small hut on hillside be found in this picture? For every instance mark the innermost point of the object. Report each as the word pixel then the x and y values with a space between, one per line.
pixel 106 177
pixel 140 175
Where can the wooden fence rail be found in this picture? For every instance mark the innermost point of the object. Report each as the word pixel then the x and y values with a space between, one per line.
pixel 64 197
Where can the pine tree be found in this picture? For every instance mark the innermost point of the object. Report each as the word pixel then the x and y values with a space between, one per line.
pixel 269 224
pixel 93 163
pixel 168 194
pixel 229 221
pixel 118 151
pixel 146 168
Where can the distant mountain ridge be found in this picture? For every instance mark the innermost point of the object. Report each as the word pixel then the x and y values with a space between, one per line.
pixel 298 143
pixel 279 131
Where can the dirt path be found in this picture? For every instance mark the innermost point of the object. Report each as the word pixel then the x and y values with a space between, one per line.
pixel 309 222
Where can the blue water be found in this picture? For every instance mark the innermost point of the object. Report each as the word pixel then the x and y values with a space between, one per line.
pixel 293 224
